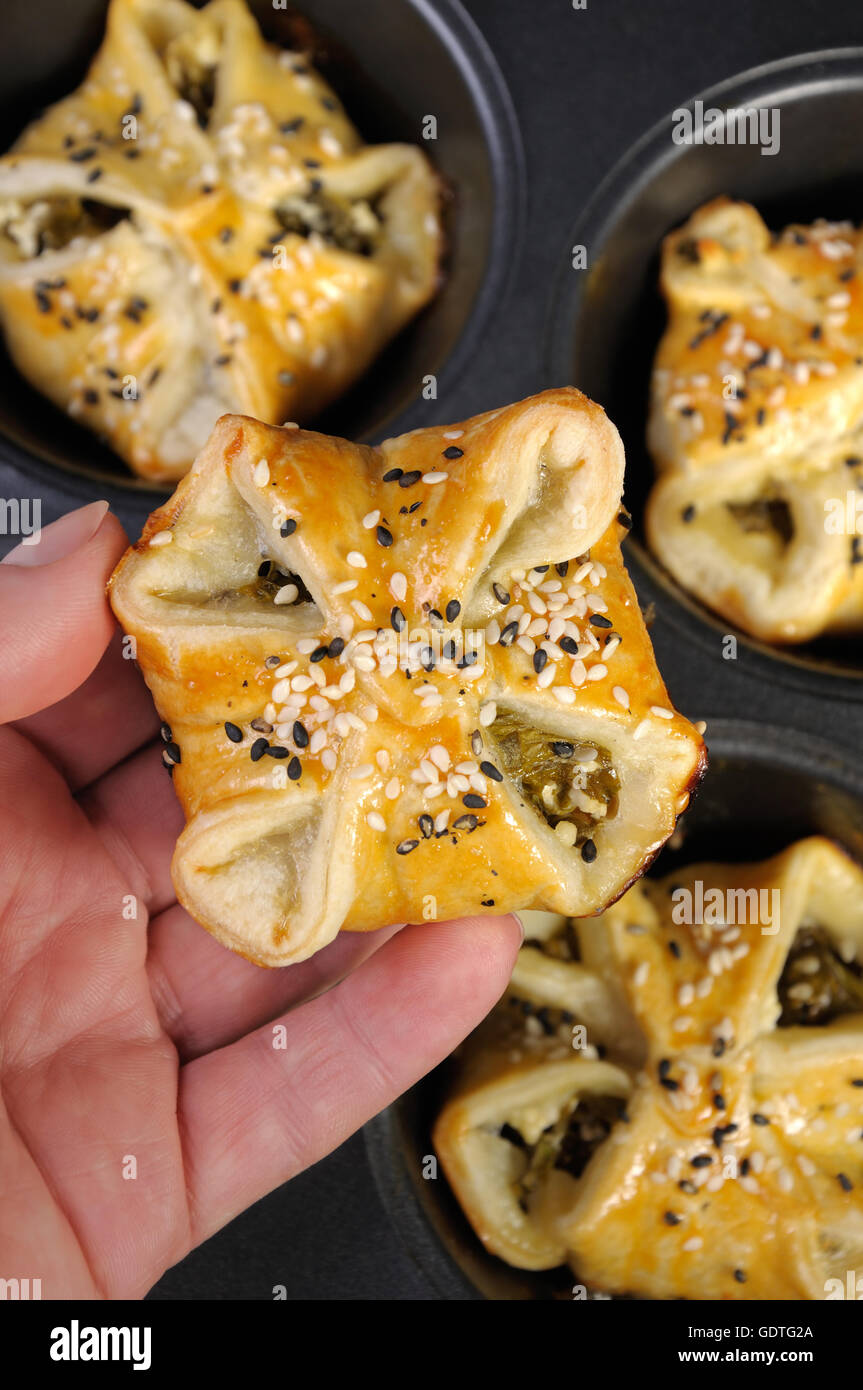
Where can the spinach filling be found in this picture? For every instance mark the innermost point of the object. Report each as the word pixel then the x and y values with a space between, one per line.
pixel 816 985
pixel 561 780
pixel 568 1144
pixel 763 515
pixel 350 226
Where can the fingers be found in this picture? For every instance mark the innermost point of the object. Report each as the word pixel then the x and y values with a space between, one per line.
pixel 207 997
pixel 137 816
pixel 255 1113
pixel 99 724
pixel 55 622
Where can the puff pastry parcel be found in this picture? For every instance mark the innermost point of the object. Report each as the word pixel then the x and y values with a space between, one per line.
pixel 405 682
pixel 756 422
pixel 675 1107
pixel 199 229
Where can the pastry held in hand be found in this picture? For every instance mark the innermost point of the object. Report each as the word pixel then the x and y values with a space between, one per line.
pixel 715 1152
pixel 756 422
pixel 199 229
pixel 405 682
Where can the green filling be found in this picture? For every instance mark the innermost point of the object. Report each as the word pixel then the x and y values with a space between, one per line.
pixel 552 778
pixel 569 1143
pixel 351 226
pixel 816 984
pixel 763 515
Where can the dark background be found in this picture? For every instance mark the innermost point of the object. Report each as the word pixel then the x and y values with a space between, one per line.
pixel 585 84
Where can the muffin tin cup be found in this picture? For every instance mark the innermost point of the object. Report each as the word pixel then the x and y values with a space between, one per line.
pixel 393 62
pixel 765 789
pixel 606 322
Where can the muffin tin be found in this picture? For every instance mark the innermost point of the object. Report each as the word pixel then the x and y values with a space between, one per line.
pixel 766 787
pixel 771 778
pixel 392 62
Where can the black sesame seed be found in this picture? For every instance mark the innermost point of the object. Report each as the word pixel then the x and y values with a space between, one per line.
pixel 500 593
pixel 413 507
pixel 171 751
pixel 453 453
pixel 392 475
pixel 449 650
pixel 490 770
pixel 398 620
pixel 487 902
pixel 475 802
pixel 408 479
pixel 688 1187
pixel 291 127
pixel 165 731
pixel 671 1218
pixel 426 825
pixel 336 647
pixel 288 527
pixel 599 620
pixel 81 156
pixel 277 751
pixel 235 734
pixel 719 1101
pixel 562 749
pixel 406 846
pixel 453 609
pixel 718 1047
pixel 688 513
pixel 674 948
pixel 701 1161
pixel 568 645
pixel 384 536
pixel 744 1167
pixel 261 726
pixel 845 1182
pixel 740 1276
pixel 319 653
pixel 476 743
pixel 466 823
pixel 625 520
pixel 588 851
pixel 295 769
pixel 300 734
pixel 664 1066
pixel 540 660
pixel 273 661
pixel 562 568
pixel 509 634
pixel 669 1083
pixel 258 749
pixel 759 1119
pixel 436 618
pixel 857 1081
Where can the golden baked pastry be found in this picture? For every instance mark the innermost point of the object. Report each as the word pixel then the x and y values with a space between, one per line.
pixel 404 682
pixel 200 229
pixel 756 422
pixel 715 1150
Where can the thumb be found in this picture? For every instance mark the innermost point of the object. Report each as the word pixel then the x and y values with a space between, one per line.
pixel 55 622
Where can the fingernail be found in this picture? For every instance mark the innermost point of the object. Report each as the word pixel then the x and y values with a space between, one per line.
pixel 520 923
pixel 61 538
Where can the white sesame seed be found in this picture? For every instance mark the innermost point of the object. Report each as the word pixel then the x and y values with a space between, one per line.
pixel 371 519
pixel 806 1166
pixel 436 477
pixel 487 713
pixel 398 585
pixel 578 672
pixel 661 712
pixel 685 995
pixel 306 645
pixel 694 1243
pixel 440 758
pixel 441 819
pixel 382 758
pixel 598 672
pixel 453 434
pixel 467 767
pixel 362 610
pixel 317 742
pixel 642 971
pixel 526 643
pixel 161 538
pixel 492 633
pixel 563 694
pixel 281 690
pixel 392 789
pixel 546 676
pixel 287 594
pixel 329 760
pixel 642 728
pixel 347 681
pixel 261 473
pixel 566 833
pixel 356 560
pixel 341 724
pixel 361 772
pixel 620 695
pixel 376 820
pixel 365 663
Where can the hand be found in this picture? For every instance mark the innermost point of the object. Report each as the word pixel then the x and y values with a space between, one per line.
pixel 143 1102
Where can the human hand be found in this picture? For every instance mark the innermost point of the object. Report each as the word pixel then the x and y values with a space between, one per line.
pixel 143 1103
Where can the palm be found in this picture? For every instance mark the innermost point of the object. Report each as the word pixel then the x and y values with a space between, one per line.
pixel 143 1101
